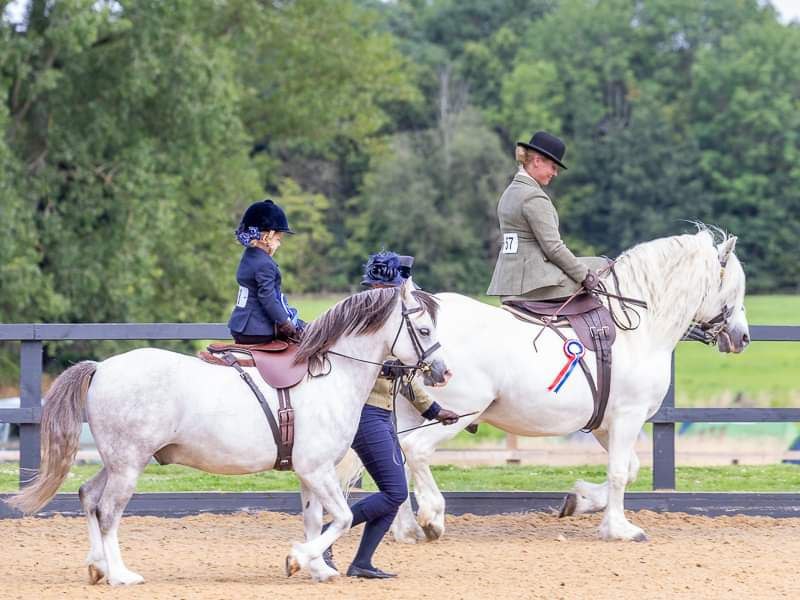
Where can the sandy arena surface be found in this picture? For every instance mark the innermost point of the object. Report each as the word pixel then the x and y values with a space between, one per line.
pixel 511 556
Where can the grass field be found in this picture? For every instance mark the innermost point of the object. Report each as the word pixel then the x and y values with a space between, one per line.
pixel 173 478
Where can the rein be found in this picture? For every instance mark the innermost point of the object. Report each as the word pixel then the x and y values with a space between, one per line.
pixel 624 302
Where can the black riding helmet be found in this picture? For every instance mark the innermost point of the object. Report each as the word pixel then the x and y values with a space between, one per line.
pixel 266 216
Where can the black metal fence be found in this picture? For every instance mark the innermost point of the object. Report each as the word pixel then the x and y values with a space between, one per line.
pixel 33 337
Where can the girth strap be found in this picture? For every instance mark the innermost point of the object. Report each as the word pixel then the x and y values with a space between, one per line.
pixel 283 434
pixel 602 351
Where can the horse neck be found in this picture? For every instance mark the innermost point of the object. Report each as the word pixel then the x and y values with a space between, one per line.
pixel 674 288
pixel 374 348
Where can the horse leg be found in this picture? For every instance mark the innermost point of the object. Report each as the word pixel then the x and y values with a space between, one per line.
pixel 623 430
pixel 89 494
pixel 120 485
pixel 324 485
pixel 587 497
pixel 405 528
pixel 312 512
pixel 418 450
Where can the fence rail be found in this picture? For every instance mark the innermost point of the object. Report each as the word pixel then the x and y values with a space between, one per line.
pixel 33 336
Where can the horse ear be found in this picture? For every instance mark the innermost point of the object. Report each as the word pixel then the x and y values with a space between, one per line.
pixel 725 249
pixel 408 287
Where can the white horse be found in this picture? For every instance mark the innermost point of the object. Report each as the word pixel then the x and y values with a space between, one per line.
pixel 683 279
pixel 151 402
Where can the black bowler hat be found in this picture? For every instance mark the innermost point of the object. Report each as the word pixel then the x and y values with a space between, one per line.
pixel 547 145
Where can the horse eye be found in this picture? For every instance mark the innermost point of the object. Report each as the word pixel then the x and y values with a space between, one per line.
pixel 425 331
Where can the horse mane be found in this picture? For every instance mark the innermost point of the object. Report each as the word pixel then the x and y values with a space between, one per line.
pixel 360 313
pixel 689 263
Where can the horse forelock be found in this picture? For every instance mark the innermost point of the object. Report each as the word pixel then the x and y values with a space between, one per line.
pixel 428 302
pixel 361 313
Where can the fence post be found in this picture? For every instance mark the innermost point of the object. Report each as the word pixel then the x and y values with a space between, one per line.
pixel 30 396
pixel 664 441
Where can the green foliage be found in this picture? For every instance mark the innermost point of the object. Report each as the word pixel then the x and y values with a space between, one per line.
pixel 432 197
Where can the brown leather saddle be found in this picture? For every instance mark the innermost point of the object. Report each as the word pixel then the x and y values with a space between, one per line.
pixel 594 327
pixel 275 362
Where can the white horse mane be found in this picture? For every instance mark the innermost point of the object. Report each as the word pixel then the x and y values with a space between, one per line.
pixel 674 275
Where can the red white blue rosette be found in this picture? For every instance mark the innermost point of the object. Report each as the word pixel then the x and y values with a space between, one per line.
pixel 573 350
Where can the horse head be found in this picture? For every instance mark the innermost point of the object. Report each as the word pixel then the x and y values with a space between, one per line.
pixel 722 319
pixel 416 341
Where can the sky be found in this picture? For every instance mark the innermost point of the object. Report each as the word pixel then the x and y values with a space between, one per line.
pixel 789 10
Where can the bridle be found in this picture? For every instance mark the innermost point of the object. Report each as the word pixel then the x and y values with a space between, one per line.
pixel 708 332
pixel 422 353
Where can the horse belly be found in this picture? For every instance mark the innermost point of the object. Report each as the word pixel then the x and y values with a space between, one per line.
pixel 226 432
pixel 532 410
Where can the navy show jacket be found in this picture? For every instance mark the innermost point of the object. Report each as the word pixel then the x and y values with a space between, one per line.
pixel 258 308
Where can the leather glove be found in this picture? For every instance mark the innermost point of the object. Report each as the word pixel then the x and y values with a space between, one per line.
pixel 392 369
pixel 446 417
pixel 590 282
pixel 287 329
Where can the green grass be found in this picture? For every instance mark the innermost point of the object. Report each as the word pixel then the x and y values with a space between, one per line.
pixel 173 478
pixel 764 375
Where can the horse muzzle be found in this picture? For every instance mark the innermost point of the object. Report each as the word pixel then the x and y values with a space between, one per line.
pixel 732 342
pixel 437 374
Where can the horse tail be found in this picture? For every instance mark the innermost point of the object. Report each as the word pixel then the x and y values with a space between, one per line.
pixel 62 419
pixel 349 471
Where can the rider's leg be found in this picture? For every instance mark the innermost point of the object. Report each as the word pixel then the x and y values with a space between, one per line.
pixel 377 446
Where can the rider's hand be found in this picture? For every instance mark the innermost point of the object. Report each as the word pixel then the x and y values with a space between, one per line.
pixel 590 281
pixel 392 369
pixel 446 417
pixel 287 329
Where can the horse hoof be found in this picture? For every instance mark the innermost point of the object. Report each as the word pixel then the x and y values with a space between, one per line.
pixel 431 532
pixel 292 566
pixel 641 537
pixel 568 506
pixel 95 575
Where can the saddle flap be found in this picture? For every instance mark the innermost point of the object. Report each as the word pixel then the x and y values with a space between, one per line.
pixel 273 346
pixel 594 328
pixel 278 368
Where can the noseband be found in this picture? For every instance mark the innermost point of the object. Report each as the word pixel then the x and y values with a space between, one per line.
pixel 708 332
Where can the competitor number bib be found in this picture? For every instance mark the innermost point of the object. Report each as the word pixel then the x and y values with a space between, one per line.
pixel 510 243
pixel 241 299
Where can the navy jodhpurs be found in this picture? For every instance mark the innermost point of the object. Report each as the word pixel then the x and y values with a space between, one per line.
pixel 378 448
